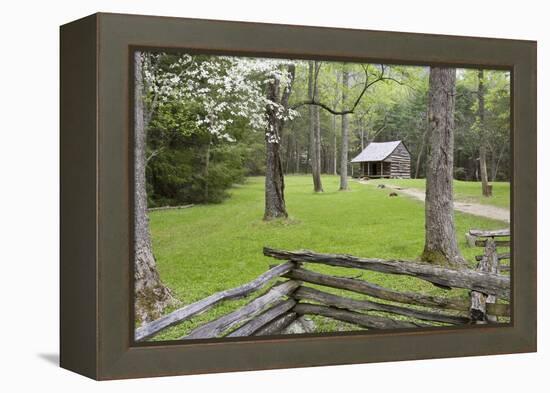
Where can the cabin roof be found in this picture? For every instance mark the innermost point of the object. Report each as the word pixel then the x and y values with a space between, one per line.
pixel 376 151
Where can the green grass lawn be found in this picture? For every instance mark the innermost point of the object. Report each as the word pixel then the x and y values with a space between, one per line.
pixel 465 191
pixel 209 248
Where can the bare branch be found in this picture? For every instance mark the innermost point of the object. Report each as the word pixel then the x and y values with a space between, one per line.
pixel 153 154
pixel 351 110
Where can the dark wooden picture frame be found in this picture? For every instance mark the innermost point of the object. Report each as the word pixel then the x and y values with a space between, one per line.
pixel 96 193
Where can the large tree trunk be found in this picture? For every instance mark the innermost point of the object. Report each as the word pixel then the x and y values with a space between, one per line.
pixel 345 132
pixel 314 129
pixel 274 178
pixel 318 147
pixel 485 189
pixel 274 183
pixel 440 243
pixel 151 296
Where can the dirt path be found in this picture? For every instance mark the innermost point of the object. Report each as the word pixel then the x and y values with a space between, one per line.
pixel 476 209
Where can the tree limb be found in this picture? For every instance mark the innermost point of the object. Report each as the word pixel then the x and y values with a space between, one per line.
pixel 351 110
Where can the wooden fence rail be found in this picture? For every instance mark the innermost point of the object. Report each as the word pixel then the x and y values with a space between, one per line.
pixel 218 326
pixel 452 278
pixel 315 295
pixel 189 311
pixel 366 288
pixel 286 302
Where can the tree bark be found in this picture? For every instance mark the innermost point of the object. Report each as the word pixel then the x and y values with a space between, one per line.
pixel 345 131
pixel 440 238
pixel 485 189
pixel 274 179
pixel 314 129
pixel 419 158
pixel 151 296
pixel 318 147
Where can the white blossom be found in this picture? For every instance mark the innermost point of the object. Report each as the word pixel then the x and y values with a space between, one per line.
pixel 225 93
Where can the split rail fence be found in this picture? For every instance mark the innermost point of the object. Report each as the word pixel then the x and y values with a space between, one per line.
pixel 382 308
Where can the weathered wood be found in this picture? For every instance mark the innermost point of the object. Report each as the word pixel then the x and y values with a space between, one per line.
pixel 216 327
pixel 147 330
pixel 367 321
pixel 277 325
pixel 281 307
pixel 301 325
pixel 479 300
pixel 501 256
pixel 154 209
pixel 471 240
pixel 400 162
pixel 498 243
pixel 493 233
pixel 366 288
pixel 457 278
pixel 315 295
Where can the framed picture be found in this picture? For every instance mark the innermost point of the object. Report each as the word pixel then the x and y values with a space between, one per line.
pixel 242 196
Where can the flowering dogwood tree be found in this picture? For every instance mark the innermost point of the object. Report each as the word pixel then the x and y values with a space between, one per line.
pixel 223 90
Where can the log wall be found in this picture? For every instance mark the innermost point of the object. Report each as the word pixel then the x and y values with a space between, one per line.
pixel 400 163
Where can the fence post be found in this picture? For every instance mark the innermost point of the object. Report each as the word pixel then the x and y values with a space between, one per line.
pixel 488 264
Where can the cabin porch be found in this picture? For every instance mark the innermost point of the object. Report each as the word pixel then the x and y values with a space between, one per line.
pixel 376 169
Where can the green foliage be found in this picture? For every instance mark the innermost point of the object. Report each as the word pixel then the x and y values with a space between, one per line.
pixel 178 175
pixel 188 165
pixel 495 130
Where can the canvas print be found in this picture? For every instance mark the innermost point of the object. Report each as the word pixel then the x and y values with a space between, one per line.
pixel 277 197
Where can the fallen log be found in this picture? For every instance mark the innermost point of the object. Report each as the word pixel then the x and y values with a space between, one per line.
pixel 277 325
pixel 366 288
pixel 280 308
pixel 216 327
pixel 315 295
pixel 463 278
pixel 367 321
pixel 150 329
pixel 493 233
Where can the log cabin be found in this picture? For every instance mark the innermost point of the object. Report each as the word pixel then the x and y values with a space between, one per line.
pixel 385 160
